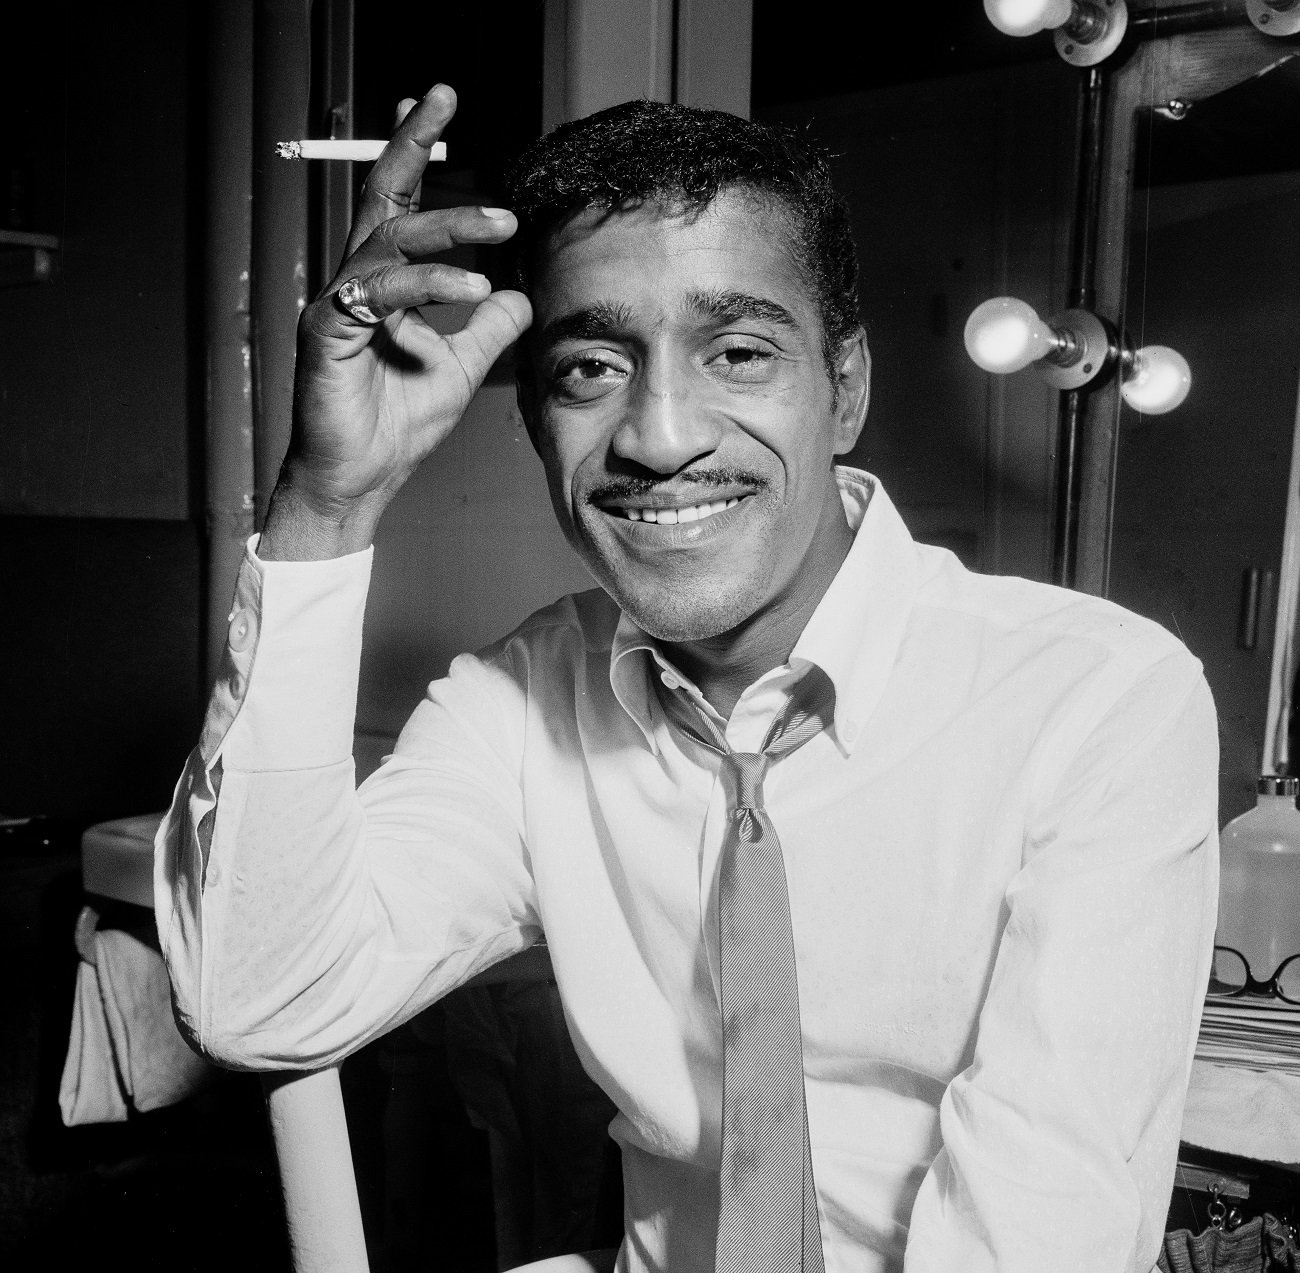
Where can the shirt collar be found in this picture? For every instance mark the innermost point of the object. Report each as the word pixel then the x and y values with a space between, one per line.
pixel 853 635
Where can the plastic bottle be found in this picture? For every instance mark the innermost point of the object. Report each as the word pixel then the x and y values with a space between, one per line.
pixel 1259 881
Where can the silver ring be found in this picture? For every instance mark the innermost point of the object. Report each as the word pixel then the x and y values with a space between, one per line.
pixel 351 299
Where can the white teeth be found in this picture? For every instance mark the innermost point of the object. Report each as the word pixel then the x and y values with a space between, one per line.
pixel 672 516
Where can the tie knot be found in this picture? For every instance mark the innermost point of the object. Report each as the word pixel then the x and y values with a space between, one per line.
pixel 742 773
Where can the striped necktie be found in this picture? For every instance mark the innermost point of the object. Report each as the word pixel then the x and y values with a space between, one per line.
pixel 767 1206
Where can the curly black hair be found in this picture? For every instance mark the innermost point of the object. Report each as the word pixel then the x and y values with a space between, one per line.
pixel 683 157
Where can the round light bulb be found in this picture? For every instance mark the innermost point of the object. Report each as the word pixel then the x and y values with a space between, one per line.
pixel 1158 380
pixel 1004 335
pixel 1026 17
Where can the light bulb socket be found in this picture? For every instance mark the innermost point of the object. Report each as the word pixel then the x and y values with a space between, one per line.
pixel 1093 32
pixel 1087 23
pixel 1086 346
pixel 1275 17
pixel 1067 351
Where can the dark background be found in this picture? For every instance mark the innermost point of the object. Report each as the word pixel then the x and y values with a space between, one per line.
pixel 101 519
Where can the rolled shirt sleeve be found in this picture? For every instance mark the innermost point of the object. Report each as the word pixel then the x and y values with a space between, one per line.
pixel 300 917
pixel 1060 1140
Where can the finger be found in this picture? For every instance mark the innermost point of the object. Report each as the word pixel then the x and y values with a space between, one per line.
pixel 380 293
pixel 492 328
pixel 404 108
pixel 396 174
pixel 426 234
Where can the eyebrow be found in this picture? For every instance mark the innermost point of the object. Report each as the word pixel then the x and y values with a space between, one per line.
pixel 603 318
pixel 613 318
pixel 729 307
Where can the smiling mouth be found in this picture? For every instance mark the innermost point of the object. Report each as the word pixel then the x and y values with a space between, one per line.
pixel 675 516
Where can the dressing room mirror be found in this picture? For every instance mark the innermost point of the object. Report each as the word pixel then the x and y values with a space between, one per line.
pixel 1213 270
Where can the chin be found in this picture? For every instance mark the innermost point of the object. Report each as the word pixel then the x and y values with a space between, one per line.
pixel 681 615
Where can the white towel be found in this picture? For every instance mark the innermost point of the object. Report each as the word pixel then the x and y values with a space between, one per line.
pixel 1251 1113
pixel 125 1050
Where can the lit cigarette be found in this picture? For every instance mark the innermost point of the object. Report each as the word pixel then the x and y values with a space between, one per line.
pixel 357 150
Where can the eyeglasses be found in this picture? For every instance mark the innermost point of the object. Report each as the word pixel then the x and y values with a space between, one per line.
pixel 1230 975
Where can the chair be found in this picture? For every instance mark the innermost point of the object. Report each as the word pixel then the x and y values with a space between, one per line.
pixel 309 1126
pixel 306 1112
pixel 321 1208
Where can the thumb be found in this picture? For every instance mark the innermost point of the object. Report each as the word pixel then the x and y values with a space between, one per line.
pixel 494 325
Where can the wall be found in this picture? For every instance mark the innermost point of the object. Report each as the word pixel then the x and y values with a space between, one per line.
pixel 99 556
pixel 468 549
pixel 95 388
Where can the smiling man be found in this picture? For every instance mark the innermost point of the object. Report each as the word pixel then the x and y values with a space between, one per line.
pixel 681 403
pixel 880 894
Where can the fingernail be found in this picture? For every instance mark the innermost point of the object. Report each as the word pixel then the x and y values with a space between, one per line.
pixel 477 280
pixel 497 214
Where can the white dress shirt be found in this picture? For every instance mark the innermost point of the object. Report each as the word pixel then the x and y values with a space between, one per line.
pixel 1002 867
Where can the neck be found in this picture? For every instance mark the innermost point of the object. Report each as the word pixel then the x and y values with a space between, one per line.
pixel 726 665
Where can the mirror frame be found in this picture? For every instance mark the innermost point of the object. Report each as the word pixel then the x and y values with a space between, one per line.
pixel 1184 66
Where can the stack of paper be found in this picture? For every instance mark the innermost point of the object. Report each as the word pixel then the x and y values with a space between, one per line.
pixel 1251 1030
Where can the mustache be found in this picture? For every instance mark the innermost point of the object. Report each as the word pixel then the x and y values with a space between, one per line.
pixel 631 487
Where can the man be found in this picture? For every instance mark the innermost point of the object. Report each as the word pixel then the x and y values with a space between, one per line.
pixel 997 830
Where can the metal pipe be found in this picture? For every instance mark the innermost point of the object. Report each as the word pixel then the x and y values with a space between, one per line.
pixel 1087 208
pixel 1206 15
pixel 1083 295
pixel 228 467
pixel 281 89
pixel 1253 590
pixel 1067 489
pixel 332 111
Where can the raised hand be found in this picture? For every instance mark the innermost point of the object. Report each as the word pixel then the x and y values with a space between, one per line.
pixel 375 394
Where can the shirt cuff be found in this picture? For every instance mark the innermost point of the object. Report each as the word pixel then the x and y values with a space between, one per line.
pixel 286 692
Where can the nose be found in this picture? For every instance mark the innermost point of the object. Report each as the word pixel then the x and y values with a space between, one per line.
pixel 666 423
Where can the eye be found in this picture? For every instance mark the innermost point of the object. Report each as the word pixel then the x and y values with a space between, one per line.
pixel 588 375
pixel 744 360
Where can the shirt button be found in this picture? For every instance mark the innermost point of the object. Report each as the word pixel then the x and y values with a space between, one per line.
pixel 242 631
pixel 212 878
pixel 670 681
pixel 850 733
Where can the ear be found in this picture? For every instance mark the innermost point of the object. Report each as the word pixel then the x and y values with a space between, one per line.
pixel 852 391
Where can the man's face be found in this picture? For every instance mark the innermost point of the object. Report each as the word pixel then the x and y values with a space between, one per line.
pixel 682 407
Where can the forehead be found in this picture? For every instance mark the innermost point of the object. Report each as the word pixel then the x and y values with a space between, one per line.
pixel 651 259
